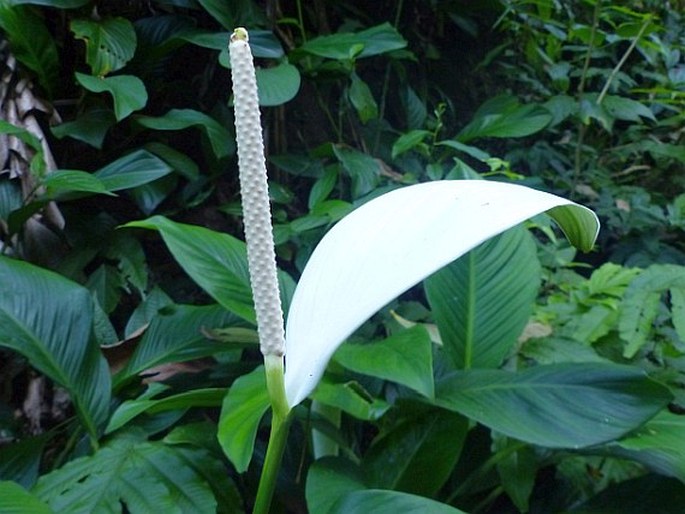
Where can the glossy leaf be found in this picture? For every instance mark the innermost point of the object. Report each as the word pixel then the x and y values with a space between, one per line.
pixel 110 43
pixel 419 455
pixel 504 117
pixel 177 334
pixel 49 320
pixel 352 398
pixel 178 119
pixel 216 262
pixel 482 301
pixel 263 43
pixel 277 85
pixel 558 406
pixel 648 493
pixel 30 42
pixel 388 502
pixel 91 127
pixel 373 41
pixel 130 409
pixel 330 478
pixel 14 499
pixel 132 170
pixel 379 251
pixel 405 358
pixel 128 91
pixel 60 182
pixel 658 445
pixel 363 169
pixel 243 407
pixel 143 476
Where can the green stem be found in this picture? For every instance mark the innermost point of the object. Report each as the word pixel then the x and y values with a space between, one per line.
pixel 272 463
pixel 280 422
pixel 623 60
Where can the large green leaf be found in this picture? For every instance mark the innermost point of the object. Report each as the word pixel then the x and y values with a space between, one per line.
pixel 20 461
pixel 419 455
pixel 144 476
pixel 110 43
pixel 388 502
pixel 651 494
pixel 177 334
pixel 16 500
pixel 130 409
pixel 503 116
pixel 178 119
pixel 243 408
pixel 405 358
pixel 330 478
pixel 128 91
pixel 49 320
pixel 31 42
pixel 216 262
pixel 61 182
pixel 132 170
pixel 350 397
pixel 363 169
pixel 482 301
pixel 660 445
pixel 391 243
pixel 557 405
pixel 373 41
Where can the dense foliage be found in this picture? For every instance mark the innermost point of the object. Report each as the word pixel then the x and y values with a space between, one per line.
pixel 523 377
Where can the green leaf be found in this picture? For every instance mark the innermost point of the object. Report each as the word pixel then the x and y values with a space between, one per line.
pixel 60 182
pixel 216 262
pixel 388 502
pixel 517 470
pixel 110 43
pixel 659 445
pixel 362 168
pixel 408 141
pixel 128 410
pixel 277 85
pixel 328 479
pixel 418 455
pixel 90 127
pixel 350 397
pixel 243 408
pixel 132 170
pixel 649 493
pixel 128 91
pixel 641 304
pixel 405 358
pixel 504 117
pixel 373 41
pixel 178 119
pixel 263 43
pixel 557 405
pixel 362 99
pixel 177 334
pixel 623 108
pixel 14 499
pixel 49 320
pixel 31 42
pixel 20 461
pixel 482 301
pixel 144 476
pixel 58 4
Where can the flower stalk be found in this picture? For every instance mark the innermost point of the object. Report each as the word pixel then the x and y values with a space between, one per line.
pixel 261 255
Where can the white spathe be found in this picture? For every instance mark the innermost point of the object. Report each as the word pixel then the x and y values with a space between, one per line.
pixel 390 244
